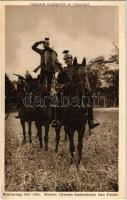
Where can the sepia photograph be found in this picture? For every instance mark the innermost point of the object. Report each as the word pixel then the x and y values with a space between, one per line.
pixel 61 98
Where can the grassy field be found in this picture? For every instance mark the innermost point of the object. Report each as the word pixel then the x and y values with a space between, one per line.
pixel 28 168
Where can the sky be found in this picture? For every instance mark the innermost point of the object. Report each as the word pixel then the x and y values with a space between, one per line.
pixel 87 31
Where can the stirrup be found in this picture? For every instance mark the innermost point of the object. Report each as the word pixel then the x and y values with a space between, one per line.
pixel 55 124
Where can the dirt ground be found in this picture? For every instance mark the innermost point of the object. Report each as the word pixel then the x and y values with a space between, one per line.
pixel 28 168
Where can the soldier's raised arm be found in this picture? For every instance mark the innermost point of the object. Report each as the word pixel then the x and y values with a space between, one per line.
pixel 35 48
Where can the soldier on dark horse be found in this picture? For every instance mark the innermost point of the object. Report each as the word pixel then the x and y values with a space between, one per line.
pixel 28 76
pixel 73 83
pixel 23 87
pixel 67 78
pixel 42 117
pixel 69 72
pixel 29 110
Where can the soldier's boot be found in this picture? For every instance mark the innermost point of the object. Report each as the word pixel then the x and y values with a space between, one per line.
pixel 92 124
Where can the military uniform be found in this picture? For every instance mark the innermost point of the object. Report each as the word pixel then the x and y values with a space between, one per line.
pixel 20 87
pixel 49 63
pixel 76 83
pixel 74 80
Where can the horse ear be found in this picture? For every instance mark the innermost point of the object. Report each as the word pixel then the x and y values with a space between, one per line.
pixel 75 61
pixel 84 62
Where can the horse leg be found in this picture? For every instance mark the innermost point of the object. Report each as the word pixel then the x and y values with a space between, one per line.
pixel 39 130
pixel 46 137
pixel 80 142
pixel 65 138
pixel 70 133
pixel 57 137
pixel 40 136
pixel 37 135
pixel 29 132
pixel 24 131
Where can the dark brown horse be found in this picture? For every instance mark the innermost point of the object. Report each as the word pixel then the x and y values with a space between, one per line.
pixel 74 115
pixel 25 103
pixel 32 109
pixel 35 106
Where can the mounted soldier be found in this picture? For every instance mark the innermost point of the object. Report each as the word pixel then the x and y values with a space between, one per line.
pixel 20 86
pixel 75 79
pixel 28 76
pixel 23 87
pixel 20 92
pixel 49 63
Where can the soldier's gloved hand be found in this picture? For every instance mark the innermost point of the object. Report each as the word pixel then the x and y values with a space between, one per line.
pixel 35 70
pixel 37 43
pixel 40 42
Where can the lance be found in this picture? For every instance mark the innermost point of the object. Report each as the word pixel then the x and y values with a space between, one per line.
pixel 20 76
pixel 37 68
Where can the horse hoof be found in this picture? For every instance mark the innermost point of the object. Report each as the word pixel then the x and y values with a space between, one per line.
pixel 71 161
pixel 79 162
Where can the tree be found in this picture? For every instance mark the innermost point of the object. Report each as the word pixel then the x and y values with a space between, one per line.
pixel 104 76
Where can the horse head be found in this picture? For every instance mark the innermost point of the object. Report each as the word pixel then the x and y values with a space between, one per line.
pixel 34 86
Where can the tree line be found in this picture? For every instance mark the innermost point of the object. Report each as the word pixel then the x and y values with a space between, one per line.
pixel 103 77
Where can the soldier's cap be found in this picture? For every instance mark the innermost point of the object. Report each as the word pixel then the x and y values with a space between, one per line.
pixel 66 51
pixel 66 54
pixel 46 40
